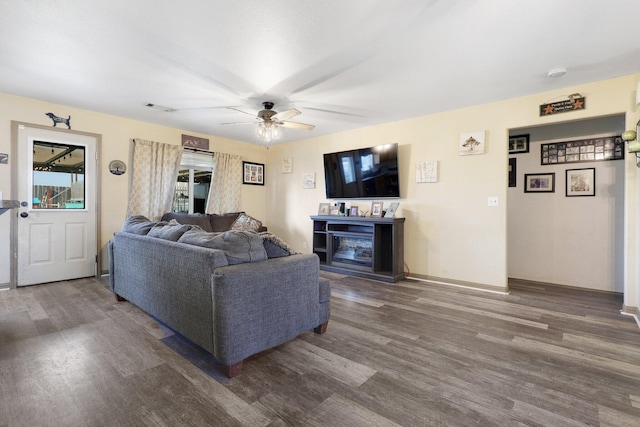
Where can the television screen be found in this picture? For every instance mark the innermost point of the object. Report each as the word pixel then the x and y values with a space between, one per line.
pixel 363 173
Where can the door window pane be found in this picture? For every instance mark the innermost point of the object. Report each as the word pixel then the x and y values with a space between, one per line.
pixel 58 176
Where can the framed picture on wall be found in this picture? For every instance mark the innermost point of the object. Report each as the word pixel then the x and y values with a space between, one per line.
pixel 540 183
pixel 581 182
pixel 512 172
pixel 252 173
pixel 519 144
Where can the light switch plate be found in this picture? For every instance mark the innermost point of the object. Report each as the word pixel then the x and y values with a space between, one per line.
pixel 492 201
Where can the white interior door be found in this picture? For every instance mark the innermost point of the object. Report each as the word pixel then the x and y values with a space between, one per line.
pixel 57 219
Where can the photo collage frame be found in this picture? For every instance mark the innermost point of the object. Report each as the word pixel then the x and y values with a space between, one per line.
pixel 585 150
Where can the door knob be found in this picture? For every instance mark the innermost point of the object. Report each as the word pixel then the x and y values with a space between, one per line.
pixel 24 204
pixel 24 214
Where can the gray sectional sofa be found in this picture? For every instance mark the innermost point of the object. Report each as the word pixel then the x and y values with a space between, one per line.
pixel 233 293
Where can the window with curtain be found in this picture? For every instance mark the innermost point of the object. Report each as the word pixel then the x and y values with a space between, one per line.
pixel 208 183
pixel 153 178
pixel 193 182
pixel 225 189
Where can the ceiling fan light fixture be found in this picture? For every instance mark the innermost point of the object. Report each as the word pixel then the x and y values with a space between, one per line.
pixel 268 131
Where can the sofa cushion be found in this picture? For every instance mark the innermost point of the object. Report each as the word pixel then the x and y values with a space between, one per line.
pixel 245 222
pixel 138 224
pixel 275 246
pixel 223 222
pixel 238 246
pixel 172 230
pixel 200 220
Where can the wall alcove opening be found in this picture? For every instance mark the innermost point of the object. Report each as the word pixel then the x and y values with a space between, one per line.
pixel 555 237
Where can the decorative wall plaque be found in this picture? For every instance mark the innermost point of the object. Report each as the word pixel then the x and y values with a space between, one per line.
pixel 195 142
pixel 575 102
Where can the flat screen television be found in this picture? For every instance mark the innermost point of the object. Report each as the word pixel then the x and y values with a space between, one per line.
pixel 365 173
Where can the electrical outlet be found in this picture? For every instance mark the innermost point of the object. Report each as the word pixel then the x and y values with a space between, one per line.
pixel 492 201
pixel 304 245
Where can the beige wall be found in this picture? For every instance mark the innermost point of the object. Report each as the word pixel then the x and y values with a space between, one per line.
pixel 451 233
pixel 116 141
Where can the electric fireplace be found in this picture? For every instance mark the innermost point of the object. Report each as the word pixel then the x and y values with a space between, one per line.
pixel 355 251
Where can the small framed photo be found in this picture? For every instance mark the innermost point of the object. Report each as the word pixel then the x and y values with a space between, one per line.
pixel 512 172
pixel 581 182
pixel 519 144
pixel 309 180
pixel 376 209
pixel 354 211
pixel 334 210
pixel 287 165
pixel 391 210
pixel 252 173
pixel 540 183
pixel 324 208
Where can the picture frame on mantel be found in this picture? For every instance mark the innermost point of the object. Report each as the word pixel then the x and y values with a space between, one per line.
pixel 391 210
pixel 376 209
pixel 324 209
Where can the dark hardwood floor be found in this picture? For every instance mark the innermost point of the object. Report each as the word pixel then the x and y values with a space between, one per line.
pixel 408 354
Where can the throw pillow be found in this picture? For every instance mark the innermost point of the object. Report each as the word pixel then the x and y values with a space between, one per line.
pixel 171 230
pixel 246 223
pixel 275 246
pixel 138 224
pixel 223 222
pixel 238 246
pixel 200 220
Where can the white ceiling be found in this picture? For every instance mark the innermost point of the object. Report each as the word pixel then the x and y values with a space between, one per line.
pixel 343 64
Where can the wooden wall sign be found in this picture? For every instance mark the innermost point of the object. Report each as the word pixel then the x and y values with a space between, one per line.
pixel 575 102
pixel 195 142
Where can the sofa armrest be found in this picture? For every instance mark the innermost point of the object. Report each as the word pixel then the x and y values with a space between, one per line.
pixel 260 305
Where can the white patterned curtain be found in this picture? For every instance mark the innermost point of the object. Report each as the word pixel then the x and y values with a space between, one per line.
pixel 224 192
pixel 154 175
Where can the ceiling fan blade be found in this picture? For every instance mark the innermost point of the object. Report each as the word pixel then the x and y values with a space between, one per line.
pixel 286 115
pixel 342 113
pixel 243 112
pixel 207 107
pixel 296 125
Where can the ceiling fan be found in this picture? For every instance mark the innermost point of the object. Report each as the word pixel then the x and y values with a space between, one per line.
pixel 270 121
